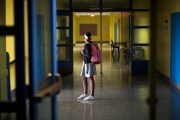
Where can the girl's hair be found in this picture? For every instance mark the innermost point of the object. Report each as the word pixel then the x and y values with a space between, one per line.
pixel 88 36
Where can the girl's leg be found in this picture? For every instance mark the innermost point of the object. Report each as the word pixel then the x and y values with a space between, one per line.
pixel 85 85
pixel 92 85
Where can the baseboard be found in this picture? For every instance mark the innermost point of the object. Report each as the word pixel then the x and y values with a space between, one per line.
pixel 93 41
pixel 167 79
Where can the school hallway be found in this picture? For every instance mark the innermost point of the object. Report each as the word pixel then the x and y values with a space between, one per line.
pixel 118 96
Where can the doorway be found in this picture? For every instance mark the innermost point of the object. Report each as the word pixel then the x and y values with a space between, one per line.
pixel 107 28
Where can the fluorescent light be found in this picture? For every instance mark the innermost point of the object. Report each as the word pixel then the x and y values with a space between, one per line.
pixel 92 15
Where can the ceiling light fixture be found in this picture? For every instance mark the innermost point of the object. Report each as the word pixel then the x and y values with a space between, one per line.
pixel 92 15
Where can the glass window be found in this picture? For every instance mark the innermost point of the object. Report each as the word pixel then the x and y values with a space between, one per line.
pixel 9 12
pixel 10 48
pixel 7 54
pixel 2 13
pixel 87 21
pixel 141 36
pixel 85 4
pixel 141 53
pixel 141 4
pixel 115 4
pixel 62 21
pixel 64 53
pixel 63 36
pixel 62 4
pixel 93 4
pixel 141 19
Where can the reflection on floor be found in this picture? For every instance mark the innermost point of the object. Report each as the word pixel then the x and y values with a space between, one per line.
pixel 118 96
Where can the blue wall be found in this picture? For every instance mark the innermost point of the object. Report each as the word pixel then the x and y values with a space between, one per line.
pixel 175 48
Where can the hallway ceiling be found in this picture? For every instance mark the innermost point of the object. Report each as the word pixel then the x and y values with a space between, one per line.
pixel 94 4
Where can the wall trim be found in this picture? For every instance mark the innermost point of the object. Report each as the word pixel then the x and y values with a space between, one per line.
pixel 161 76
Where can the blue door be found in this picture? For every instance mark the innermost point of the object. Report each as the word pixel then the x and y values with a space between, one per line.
pixel 44 80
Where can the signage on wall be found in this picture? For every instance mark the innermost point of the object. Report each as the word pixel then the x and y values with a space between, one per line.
pixel 92 28
pixel 166 26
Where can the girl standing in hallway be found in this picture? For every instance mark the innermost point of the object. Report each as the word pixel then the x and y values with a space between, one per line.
pixel 88 69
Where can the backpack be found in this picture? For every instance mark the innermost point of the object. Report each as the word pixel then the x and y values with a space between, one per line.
pixel 96 54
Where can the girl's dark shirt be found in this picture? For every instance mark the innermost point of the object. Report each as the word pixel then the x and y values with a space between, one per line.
pixel 87 53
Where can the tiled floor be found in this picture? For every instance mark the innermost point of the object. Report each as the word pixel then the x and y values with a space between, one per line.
pixel 118 96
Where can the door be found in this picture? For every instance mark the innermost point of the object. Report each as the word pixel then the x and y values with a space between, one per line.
pixel 44 80
pixel 4 90
pixel 140 38
pixel 64 42
pixel 12 84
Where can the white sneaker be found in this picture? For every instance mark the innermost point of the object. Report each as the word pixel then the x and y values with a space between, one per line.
pixel 82 96
pixel 89 98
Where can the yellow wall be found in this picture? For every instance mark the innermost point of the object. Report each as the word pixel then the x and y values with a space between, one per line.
pixel 74 29
pixel 26 27
pixel 124 27
pixel 112 26
pixel 122 18
pixel 164 10
pixel 77 20
pixel 10 40
pixel 105 28
pixel 108 22
pixel 10 43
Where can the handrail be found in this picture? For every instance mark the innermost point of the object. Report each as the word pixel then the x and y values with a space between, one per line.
pixel 48 88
